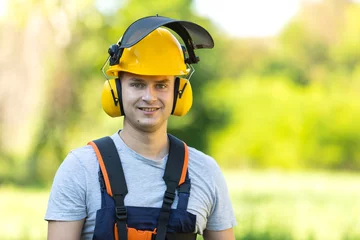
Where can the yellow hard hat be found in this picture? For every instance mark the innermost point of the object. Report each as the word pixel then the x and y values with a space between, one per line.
pixel 159 53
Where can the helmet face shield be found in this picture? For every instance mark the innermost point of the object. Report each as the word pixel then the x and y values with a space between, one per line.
pixel 200 38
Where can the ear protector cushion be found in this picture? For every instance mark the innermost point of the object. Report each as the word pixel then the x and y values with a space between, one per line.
pixel 111 98
pixel 183 97
pixel 112 104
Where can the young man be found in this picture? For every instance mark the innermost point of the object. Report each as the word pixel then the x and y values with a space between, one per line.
pixel 147 90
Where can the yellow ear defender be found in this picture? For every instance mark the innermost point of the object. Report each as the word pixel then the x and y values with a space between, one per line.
pixel 183 97
pixel 112 104
pixel 111 98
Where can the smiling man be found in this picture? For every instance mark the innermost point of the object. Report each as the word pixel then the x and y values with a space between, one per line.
pixel 147 101
pixel 141 182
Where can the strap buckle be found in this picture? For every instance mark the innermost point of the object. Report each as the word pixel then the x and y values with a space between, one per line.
pixel 121 213
pixel 169 197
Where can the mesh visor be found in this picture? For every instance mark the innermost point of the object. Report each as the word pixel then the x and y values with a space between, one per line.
pixel 186 30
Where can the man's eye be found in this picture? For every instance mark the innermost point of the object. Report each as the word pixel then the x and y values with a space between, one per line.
pixel 161 86
pixel 138 85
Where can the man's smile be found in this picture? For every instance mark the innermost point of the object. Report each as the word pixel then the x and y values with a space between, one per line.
pixel 148 109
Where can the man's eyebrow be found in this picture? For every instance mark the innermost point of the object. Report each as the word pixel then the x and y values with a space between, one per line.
pixel 137 79
pixel 134 79
pixel 163 81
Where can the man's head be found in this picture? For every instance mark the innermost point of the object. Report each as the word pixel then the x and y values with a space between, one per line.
pixel 157 55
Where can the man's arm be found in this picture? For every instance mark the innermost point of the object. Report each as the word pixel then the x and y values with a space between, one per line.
pixel 60 230
pixel 227 234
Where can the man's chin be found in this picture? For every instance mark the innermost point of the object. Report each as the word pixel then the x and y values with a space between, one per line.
pixel 148 127
pixel 145 124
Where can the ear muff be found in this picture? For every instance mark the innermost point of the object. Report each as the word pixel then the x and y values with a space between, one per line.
pixel 182 97
pixel 111 98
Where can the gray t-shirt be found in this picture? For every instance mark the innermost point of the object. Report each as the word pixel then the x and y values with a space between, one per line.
pixel 75 193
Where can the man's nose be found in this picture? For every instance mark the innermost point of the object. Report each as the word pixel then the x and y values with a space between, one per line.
pixel 149 94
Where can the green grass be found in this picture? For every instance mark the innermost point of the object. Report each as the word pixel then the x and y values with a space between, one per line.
pixel 268 205
pixel 308 206
pixel 22 213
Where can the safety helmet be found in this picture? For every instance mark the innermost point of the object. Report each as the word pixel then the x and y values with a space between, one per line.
pixel 159 53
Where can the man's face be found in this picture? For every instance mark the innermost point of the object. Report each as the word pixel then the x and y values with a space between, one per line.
pixel 147 100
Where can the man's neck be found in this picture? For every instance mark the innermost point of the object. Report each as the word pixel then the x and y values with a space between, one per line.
pixel 152 145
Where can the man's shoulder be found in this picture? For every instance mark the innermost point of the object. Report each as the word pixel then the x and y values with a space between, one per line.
pixel 86 154
pixel 83 152
pixel 82 155
pixel 196 153
pixel 202 160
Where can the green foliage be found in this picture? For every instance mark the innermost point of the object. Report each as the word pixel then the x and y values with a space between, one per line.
pixel 287 102
pixel 276 124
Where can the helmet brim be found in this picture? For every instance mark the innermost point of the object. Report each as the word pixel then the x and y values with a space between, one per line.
pixel 113 71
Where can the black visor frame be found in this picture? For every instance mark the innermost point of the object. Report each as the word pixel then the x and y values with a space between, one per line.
pixel 193 35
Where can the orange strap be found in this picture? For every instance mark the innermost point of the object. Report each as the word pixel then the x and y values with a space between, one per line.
pixel 134 234
pixel 103 168
pixel 185 166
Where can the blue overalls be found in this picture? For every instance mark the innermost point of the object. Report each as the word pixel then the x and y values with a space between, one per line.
pixel 119 222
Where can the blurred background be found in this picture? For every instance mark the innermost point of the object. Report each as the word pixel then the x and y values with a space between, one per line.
pixel 276 103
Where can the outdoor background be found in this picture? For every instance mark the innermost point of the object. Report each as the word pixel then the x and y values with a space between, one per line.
pixel 279 111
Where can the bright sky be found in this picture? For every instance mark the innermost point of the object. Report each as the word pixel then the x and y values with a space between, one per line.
pixel 3 7
pixel 241 18
pixel 249 18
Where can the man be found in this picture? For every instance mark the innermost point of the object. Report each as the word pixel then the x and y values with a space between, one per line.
pixel 146 91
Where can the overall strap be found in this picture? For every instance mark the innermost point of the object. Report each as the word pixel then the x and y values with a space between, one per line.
pixel 174 176
pixel 111 168
pixel 184 193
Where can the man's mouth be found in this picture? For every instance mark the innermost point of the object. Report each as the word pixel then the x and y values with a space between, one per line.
pixel 148 109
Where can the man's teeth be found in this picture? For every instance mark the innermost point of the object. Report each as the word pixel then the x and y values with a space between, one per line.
pixel 149 109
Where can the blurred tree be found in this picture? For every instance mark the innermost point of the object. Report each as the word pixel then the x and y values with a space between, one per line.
pixel 277 125
pixel 71 110
pixel 245 99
